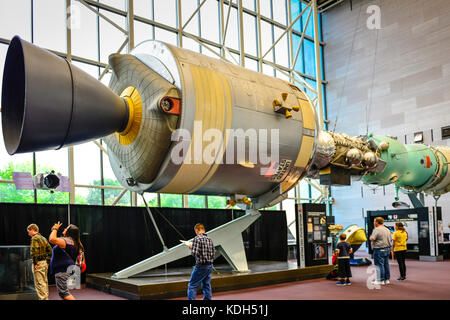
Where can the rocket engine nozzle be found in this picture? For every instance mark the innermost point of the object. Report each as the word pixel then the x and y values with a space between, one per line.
pixel 47 103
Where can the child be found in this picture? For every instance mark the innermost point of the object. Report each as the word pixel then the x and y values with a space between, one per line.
pixel 343 251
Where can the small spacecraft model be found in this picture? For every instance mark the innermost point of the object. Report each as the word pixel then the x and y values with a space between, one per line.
pixel 356 236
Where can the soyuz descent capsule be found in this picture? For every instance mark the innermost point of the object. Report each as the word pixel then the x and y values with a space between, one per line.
pixel 176 121
pixel 414 167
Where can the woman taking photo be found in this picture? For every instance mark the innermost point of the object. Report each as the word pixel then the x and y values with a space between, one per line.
pixel 399 244
pixel 65 253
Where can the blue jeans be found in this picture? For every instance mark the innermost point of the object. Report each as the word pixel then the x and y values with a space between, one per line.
pixel 200 275
pixel 381 261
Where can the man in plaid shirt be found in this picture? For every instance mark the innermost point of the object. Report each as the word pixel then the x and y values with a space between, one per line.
pixel 41 253
pixel 203 251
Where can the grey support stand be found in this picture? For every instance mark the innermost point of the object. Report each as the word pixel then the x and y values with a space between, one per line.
pixel 227 239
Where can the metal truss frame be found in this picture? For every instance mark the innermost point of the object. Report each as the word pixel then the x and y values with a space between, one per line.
pixel 220 50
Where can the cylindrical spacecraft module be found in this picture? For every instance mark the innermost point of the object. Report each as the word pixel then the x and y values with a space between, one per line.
pixel 174 121
pixel 233 131
pixel 414 167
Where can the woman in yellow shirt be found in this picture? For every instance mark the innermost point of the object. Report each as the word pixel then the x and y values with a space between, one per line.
pixel 399 244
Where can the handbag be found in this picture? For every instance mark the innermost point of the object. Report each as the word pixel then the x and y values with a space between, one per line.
pixel 333 261
pixel 80 261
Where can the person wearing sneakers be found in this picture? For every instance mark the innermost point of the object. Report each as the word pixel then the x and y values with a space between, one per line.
pixel 343 252
pixel 381 243
pixel 399 244
pixel 202 248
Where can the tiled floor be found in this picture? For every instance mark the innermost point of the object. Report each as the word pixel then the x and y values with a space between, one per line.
pixel 84 294
pixel 425 280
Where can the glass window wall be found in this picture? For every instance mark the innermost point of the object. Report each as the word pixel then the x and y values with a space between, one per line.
pixel 93 39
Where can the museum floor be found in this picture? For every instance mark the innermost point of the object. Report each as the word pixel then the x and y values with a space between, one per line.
pixel 425 281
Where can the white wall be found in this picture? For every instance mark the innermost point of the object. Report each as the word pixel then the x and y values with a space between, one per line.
pixel 394 80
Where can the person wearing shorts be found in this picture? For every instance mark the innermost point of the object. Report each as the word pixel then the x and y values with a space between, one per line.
pixel 343 251
pixel 65 252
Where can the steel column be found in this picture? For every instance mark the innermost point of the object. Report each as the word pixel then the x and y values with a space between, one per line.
pixel 130 24
pixel 318 63
pixel 241 34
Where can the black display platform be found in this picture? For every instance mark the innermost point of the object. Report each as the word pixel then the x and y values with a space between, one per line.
pixel 162 284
